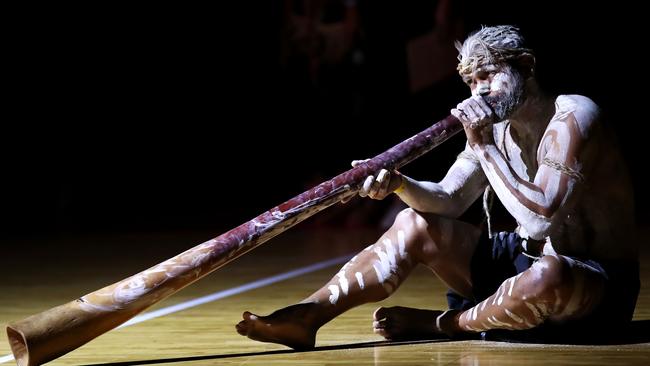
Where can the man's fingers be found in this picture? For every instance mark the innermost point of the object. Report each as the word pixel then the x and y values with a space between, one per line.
pixel 357 162
pixel 478 110
pixel 484 106
pixel 458 114
pixel 384 181
pixel 367 184
pixel 382 176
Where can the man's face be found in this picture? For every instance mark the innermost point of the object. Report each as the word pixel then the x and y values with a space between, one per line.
pixel 500 81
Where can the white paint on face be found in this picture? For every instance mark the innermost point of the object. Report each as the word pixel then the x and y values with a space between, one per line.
pixel 359 277
pixel 514 316
pixel 482 87
pixel 334 294
pixel 474 312
pixel 499 82
pixel 484 303
pixel 343 282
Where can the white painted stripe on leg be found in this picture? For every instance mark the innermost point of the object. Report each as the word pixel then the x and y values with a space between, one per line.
pixel 401 243
pixel 359 277
pixel 334 294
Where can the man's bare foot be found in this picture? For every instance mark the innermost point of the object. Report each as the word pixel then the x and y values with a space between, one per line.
pixel 400 322
pixel 291 326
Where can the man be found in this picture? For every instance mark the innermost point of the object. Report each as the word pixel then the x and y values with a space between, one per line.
pixel 572 257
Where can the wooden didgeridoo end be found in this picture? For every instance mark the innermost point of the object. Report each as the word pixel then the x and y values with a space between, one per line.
pixel 45 336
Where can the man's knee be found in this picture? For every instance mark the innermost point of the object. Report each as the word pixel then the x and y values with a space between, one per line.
pixel 555 271
pixel 424 235
pixel 414 226
pixel 407 217
pixel 413 221
pixel 562 288
pixel 547 277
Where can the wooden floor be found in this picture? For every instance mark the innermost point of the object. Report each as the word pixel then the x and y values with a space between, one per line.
pixel 37 274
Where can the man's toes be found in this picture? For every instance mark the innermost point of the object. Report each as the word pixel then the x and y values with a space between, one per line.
pixel 380 313
pixel 248 316
pixel 380 324
pixel 242 328
pixel 382 332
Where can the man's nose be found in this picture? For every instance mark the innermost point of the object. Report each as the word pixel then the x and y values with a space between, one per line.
pixel 482 88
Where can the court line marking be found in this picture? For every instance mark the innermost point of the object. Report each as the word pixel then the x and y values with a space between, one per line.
pixel 225 293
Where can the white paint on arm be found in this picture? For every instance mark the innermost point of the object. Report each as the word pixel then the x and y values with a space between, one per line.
pixel 461 186
pixel 535 204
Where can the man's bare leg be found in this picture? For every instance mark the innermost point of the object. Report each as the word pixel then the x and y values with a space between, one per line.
pixel 373 275
pixel 555 288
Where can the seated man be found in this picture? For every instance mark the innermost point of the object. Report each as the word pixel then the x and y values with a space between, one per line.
pixel 553 166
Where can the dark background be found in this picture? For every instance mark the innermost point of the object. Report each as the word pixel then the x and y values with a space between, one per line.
pixel 180 117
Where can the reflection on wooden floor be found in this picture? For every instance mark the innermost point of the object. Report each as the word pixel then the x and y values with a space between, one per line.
pixel 38 274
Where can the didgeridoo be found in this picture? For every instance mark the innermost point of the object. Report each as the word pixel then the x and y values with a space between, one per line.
pixel 57 331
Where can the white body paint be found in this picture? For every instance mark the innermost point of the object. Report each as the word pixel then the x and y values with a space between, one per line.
pixel 389 256
pixel 514 316
pixel 359 277
pixel 343 282
pixel 334 294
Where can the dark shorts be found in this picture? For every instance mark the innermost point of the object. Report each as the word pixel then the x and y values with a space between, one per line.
pixel 502 257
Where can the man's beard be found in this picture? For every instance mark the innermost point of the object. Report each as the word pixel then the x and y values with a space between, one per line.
pixel 513 97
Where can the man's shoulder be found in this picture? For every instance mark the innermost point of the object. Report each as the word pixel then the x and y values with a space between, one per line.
pixel 584 111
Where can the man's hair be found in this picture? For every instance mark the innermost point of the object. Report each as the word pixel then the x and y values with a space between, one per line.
pixel 491 45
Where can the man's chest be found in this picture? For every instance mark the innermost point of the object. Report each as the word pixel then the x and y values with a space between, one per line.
pixel 522 158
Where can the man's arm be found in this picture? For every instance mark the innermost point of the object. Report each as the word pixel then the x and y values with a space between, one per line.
pixel 461 186
pixel 535 205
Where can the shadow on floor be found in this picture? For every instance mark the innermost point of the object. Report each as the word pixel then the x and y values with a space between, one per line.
pixel 266 353
pixel 637 331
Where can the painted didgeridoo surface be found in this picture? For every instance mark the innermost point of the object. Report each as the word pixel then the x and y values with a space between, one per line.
pixel 57 331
